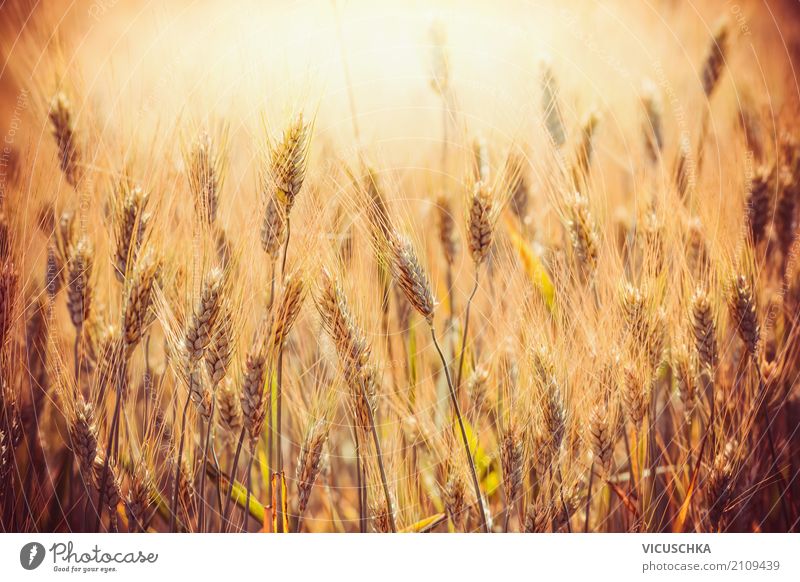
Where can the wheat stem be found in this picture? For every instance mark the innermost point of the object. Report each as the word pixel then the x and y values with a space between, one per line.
pixel 362 500
pixel 563 502
pixel 379 454
pixel 464 439
pixel 76 349
pixel 286 246
pixel 466 330
pixel 209 424
pixel 771 443
pixel 249 489
pixel 231 479
pixel 173 513
pixel 278 437
pixel 589 498
pixel 112 431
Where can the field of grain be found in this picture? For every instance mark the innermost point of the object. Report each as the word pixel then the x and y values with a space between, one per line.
pixel 350 266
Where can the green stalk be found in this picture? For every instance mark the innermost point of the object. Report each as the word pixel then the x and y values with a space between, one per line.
pixel 457 411
pixel 379 454
pixel 231 479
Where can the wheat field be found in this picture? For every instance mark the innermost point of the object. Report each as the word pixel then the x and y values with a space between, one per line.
pixel 399 267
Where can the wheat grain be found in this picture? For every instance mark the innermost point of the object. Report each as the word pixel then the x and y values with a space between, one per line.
pixel 83 432
pixel 410 277
pixel 705 329
pixel 480 222
pixel 289 308
pixel 229 406
pixel 583 234
pixel 652 127
pixel 220 350
pixel 454 496
pixel 201 326
pixel 253 402
pixel 139 300
pixel 308 464
pixel 758 203
pixel 273 229
pixel 131 222
pixel 715 59
pixel 62 123
pixel 634 396
pixel 512 463
pixel 550 105
pixel 289 158
pixel 741 304
pixel 447 230
pixel 79 288
pixel 206 172
pixel 601 438
pixel 139 501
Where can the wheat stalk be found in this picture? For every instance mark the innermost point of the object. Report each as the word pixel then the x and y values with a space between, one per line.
pixel 359 373
pixel 413 281
pixel 288 309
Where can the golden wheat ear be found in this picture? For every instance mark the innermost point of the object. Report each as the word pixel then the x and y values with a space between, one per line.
pixel 140 499
pixel 138 310
pixel 291 302
pixel 447 229
pixel 410 277
pixel 203 319
pixel 480 222
pixel 289 158
pixel 130 222
pixel 601 438
pixel 583 234
pixel 652 125
pixel 273 229
pixel 715 58
pixel 512 463
pixel 705 329
pixel 79 282
pixel 742 307
pixel 62 123
pixel 551 107
pixel 253 400
pixel 207 164
pixel 309 462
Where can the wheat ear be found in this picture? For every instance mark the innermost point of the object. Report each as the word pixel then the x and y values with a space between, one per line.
pixel 308 465
pixel 414 283
pixel 62 122
pixel 355 361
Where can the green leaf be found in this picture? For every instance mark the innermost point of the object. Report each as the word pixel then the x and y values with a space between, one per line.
pixel 534 268
pixel 425 525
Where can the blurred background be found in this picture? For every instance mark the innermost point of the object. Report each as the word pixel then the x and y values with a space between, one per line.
pixel 143 78
pixel 364 69
pixel 242 60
